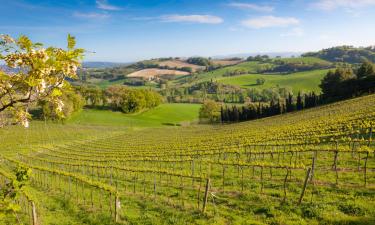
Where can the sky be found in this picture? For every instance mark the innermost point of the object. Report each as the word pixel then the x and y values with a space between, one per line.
pixel 131 30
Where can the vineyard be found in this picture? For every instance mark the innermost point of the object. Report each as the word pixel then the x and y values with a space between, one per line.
pixel 311 167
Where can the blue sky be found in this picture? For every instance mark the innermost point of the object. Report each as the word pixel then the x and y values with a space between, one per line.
pixel 129 30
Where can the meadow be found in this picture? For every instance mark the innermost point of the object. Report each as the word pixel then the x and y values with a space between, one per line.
pixel 165 114
pixel 311 167
pixel 303 81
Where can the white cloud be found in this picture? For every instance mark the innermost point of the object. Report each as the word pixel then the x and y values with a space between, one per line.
pixel 347 4
pixel 295 32
pixel 103 4
pixel 270 21
pixel 91 15
pixel 208 19
pixel 249 6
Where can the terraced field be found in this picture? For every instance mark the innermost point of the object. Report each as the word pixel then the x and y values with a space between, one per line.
pixel 311 167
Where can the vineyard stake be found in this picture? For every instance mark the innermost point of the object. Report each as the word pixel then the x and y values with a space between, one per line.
pixel 285 180
pixel 313 165
pixel 33 213
pixel 304 186
pixel 206 195
pixel 365 169
pixel 117 207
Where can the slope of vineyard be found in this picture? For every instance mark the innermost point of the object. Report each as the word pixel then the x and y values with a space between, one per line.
pixel 311 167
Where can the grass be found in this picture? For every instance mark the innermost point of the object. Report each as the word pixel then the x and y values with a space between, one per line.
pixel 306 60
pixel 303 81
pixel 165 114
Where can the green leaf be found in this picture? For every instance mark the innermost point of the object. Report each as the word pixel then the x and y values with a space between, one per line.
pixel 56 92
pixel 24 42
pixel 71 42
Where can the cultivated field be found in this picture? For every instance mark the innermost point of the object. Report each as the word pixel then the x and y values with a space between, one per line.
pixel 154 73
pixel 311 167
pixel 179 64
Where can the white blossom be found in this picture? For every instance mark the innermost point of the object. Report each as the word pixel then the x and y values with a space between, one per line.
pixel 60 105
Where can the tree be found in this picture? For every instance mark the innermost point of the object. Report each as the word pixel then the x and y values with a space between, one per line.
pixel 261 81
pixel 210 111
pixel 330 84
pixel 34 73
pixel 299 101
pixel 131 100
pixel 73 102
pixel 367 69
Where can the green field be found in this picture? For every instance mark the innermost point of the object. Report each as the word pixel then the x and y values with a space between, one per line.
pixel 165 114
pixel 306 60
pixel 304 81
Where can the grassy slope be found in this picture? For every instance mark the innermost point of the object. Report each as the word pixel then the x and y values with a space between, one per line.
pixel 163 114
pixel 304 81
pixel 306 60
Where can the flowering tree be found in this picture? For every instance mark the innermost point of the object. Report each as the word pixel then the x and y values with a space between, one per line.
pixel 33 73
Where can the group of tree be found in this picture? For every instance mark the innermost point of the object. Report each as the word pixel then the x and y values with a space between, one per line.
pixel 348 54
pixel 346 82
pixel 200 61
pixel 282 66
pixel 259 58
pixel 131 100
pixel 120 98
pixel 259 110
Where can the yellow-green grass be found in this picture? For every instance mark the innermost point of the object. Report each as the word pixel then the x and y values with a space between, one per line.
pixel 303 81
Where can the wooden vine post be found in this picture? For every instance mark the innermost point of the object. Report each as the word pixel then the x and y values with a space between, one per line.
pixel 33 213
pixel 313 166
pixel 365 169
pixel 206 195
pixel 117 208
pixel 285 183
pixel 304 186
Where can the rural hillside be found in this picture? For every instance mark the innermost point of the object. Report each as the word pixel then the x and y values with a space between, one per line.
pixel 187 112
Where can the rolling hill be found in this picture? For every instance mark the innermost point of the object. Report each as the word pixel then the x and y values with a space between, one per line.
pixel 303 81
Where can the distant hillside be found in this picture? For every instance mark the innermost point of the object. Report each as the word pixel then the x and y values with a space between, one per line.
pixel 347 54
pixel 270 54
pixel 102 65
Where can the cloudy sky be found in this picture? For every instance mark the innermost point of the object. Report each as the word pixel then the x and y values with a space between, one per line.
pixel 129 30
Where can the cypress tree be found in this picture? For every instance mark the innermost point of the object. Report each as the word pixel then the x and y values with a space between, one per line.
pixel 299 101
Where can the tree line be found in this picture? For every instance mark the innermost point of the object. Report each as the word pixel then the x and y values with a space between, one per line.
pixel 260 110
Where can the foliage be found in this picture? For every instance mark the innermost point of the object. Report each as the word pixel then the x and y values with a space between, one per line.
pixel 200 61
pixel 344 83
pixel 35 73
pixel 210 111
pixel 73 102
pixel 261 81
pixel 131 100
pixel 11 190
pixel 347 54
